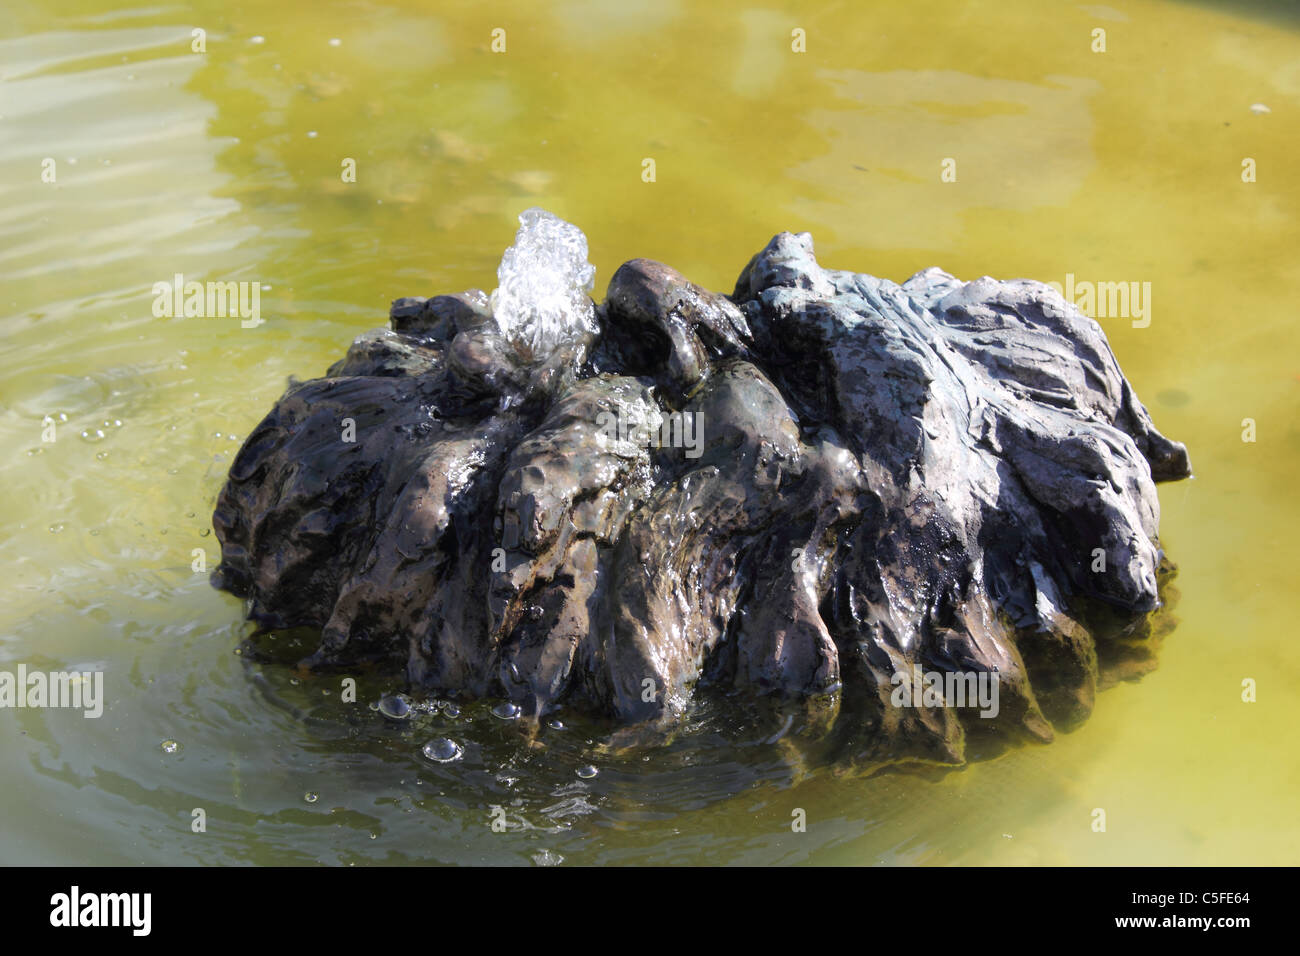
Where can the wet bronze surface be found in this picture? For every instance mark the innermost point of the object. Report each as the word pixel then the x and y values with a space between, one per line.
pixel 805 492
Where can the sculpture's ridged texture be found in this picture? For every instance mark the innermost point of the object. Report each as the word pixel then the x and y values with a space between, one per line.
pixel 948 476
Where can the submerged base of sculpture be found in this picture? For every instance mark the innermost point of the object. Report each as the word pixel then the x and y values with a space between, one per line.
pixel 909 515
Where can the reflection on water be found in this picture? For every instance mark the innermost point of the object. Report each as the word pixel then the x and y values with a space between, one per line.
pixel 226 165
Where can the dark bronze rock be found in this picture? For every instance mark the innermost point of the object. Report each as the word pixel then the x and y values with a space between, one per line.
pixel 814 491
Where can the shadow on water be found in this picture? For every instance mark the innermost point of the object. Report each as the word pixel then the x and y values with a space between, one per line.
pixel 433 770
pixel 1279 12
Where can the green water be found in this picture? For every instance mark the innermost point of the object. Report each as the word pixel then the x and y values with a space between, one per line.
pixel 1123 165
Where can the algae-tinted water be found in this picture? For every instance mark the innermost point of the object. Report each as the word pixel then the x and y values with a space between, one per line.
pixel 1071 166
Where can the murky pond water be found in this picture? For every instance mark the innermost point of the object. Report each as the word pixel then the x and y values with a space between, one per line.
pixel 127 157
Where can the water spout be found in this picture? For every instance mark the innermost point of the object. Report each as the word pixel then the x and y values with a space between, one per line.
pixel 542 299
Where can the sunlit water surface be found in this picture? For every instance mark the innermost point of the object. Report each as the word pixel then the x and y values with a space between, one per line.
pixel 226 165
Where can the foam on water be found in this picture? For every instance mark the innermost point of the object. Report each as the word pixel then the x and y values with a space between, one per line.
pixel 542 299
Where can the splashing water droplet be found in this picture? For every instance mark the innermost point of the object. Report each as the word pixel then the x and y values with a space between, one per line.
pixel 541 300
pixel 442 750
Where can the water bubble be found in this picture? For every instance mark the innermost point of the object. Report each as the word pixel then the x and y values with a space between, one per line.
pixel 34 451
pixel 92 434
pixel 205 532
pixel 101 455
pixel 258 39
pixel 556 724
pixel 57 527
pixel 506 711
pixel 451 710
pixel 335 41
pixel 311 797
pixel 442 750
pixel 395 707
pixel 1259 108
pixel 587 772
pixel 170 747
